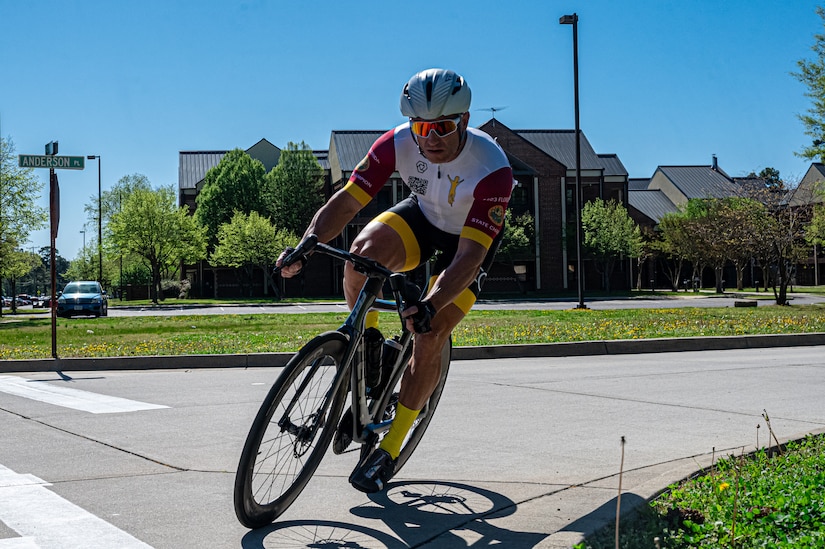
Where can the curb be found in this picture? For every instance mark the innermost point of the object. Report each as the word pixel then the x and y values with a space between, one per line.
pixel 548 350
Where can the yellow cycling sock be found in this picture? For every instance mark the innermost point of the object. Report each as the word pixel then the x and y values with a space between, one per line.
pixel 404 419
pixel 372 320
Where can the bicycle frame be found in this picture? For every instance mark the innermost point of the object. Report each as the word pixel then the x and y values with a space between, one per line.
pixel 367 427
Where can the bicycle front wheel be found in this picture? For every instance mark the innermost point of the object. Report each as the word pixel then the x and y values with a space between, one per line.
pixel 291 431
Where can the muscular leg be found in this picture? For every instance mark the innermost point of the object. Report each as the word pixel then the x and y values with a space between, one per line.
pixel 379 242
pixel 422 376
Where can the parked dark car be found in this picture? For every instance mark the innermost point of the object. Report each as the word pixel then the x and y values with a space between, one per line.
pixel 42 301
pixel 83 297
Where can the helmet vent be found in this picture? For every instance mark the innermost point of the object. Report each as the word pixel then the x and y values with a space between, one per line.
pixel 457 87
pixel 429 90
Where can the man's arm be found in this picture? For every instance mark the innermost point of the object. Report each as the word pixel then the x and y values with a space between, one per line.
pixel 333 216
pixel 328 222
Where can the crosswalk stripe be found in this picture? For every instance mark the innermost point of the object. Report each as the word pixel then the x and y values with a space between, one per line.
pixel 44 520
pixel 71 398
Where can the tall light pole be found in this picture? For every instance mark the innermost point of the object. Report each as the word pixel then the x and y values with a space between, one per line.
pixel 99 223
pixel 574 20
pixel 83 232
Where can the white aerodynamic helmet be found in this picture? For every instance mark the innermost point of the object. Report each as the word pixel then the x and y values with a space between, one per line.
pixel 433 93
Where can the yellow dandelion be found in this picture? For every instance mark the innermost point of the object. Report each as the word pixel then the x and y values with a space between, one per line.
pixel 724 486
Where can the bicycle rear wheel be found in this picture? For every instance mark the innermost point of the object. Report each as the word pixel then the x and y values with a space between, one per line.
pixel 423 419
pixel 291 431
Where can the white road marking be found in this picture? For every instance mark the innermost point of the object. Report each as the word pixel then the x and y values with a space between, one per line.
pixel 71 398
pixel 44 520
pixel 18 543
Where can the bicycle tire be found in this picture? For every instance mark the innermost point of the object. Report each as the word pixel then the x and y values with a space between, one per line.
pixel 423 421
pixel 291 431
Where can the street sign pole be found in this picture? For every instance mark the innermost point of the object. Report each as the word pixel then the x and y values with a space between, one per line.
pixel 54 212
pixel 52 161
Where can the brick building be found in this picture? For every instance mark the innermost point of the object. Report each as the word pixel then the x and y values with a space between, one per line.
pixel 543 163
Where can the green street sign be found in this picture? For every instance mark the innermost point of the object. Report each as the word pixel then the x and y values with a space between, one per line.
pixel 54 162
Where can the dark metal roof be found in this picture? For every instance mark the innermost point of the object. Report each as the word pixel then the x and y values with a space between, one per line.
pixel 653 203
pixel 612 165
pixel 638 183
pixel 351 146
pixel 323 158
pixel 193 165
pixel 561 145
pixel 699 181
pixel 347 148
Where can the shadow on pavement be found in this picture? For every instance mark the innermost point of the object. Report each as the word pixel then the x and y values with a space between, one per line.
pixel 605 514
pixel 444 514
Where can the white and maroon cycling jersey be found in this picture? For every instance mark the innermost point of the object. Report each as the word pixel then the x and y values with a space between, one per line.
pixel 467 196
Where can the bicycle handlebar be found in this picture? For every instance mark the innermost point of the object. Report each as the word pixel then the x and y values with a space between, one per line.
pixel 408 290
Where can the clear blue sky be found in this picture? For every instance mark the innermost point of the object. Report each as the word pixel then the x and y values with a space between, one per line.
pixel 661 82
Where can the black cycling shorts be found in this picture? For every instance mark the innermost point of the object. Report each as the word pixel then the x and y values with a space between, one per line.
pixel 422 240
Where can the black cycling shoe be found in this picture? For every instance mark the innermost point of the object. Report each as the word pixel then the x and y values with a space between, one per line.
pixel 373 473
pixel 343 434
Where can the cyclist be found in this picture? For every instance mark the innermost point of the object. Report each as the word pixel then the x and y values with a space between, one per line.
pixel 460 183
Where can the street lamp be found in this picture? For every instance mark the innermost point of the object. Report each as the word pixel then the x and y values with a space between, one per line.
pixel 574 20
pixel 83 232
pixel 99 222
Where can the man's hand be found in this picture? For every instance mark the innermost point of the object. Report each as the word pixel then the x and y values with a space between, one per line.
pixel 290 270
pixel 418 316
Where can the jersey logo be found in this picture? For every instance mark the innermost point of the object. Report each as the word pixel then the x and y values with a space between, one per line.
pixel 421 166
pixel 454 182
pixel 418 185
pixel 364 165
pixel 496 215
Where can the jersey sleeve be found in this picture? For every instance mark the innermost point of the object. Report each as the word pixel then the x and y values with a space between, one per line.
pixel 490 199
pixel 374 170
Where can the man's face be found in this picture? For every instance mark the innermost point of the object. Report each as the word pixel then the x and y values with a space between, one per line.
pixel 442 149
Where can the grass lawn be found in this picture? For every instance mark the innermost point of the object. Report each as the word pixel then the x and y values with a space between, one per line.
pixel 743 501
pixel 231 333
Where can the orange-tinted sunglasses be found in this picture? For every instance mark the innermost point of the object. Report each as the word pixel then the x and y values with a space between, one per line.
pixel 442 128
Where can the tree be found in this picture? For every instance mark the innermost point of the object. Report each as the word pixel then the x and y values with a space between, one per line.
pixel 19 263
pixel 295 188
pixel 249 242
pixel 19 213
pixel 518 242
pixel 609 235
pixel 236 184
pixel 162 234
pixel 812 75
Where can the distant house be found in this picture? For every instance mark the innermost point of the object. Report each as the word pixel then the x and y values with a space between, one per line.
pixel 193 165
pixel 673 186
pixel 544 165
pixel 811 190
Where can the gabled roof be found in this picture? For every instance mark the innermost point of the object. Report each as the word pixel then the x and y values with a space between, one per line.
pixel 653 203
pixel 810 189
pixel 347 148
pixel 698 181
pixel 193 165
pixel 561 145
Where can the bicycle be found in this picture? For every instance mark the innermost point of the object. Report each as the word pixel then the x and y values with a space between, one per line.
pixel 303 410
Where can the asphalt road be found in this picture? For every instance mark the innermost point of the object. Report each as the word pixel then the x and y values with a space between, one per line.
pixel 523 452
pixel 682 300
